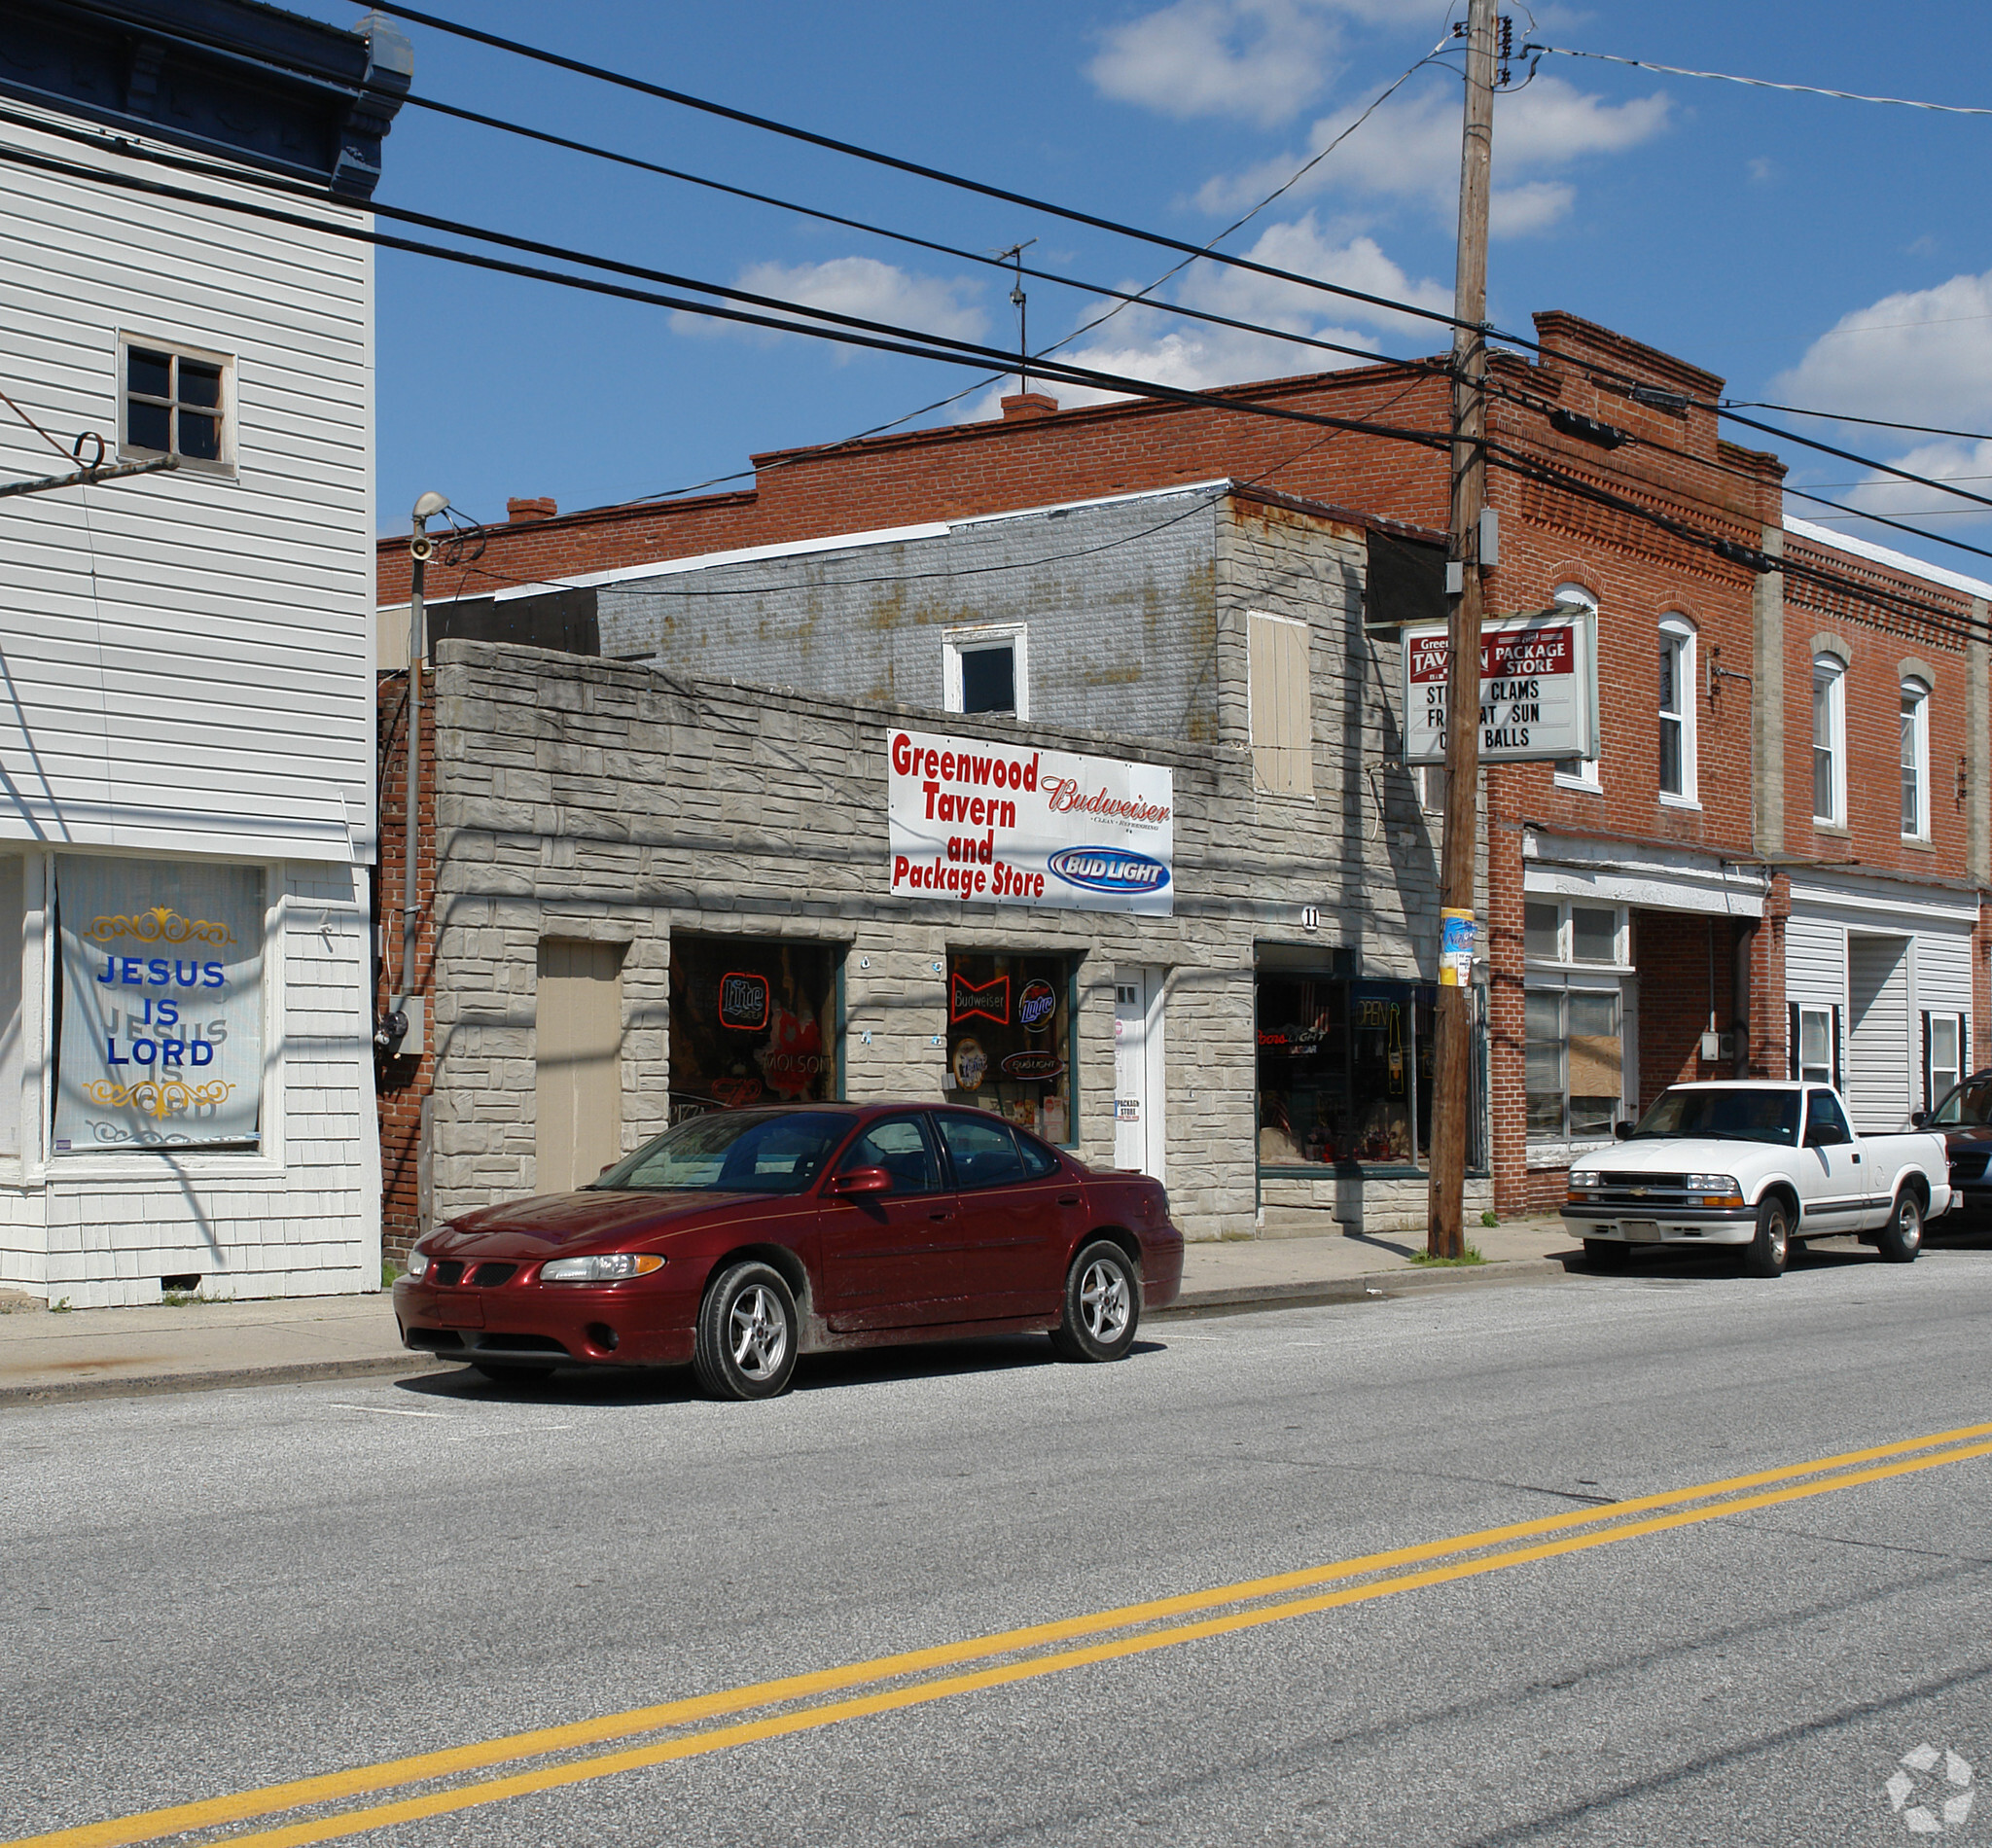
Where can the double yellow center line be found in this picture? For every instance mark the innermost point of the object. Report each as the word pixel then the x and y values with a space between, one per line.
pixel 802 1703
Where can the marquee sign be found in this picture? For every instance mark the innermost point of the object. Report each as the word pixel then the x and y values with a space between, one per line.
pixel 1011 826
pixel 1539 688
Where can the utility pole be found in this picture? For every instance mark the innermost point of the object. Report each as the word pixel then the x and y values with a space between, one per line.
pixel 420 546
pixel 1451 1087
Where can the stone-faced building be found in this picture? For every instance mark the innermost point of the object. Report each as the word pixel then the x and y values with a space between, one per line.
pixel 672 879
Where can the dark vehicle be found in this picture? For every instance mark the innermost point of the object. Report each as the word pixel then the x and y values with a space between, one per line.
pixel 738 1240
pixel 1963 1117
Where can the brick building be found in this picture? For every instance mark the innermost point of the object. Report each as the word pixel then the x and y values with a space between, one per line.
pixel 1646 911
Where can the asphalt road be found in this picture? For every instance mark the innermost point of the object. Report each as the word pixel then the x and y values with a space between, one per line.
pixel 208 1595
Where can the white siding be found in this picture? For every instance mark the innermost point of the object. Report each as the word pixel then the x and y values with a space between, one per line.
pixel 1878 1055
pixel 1815 961
pixel 187 656
pixel 1943 970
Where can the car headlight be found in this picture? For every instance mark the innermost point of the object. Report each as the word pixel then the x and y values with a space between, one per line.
pixel 418 1266
pixel 608 1267
pixel 1714 1190
pixel 1583 1178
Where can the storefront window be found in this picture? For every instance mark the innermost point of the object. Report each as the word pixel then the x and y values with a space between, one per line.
pixel 1344 1071
pixel 753 1021
pixel 1009 1038
pixel 1575 1063
pixel 159 1041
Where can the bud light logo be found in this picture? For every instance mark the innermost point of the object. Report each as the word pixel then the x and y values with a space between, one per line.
pixel 1109 870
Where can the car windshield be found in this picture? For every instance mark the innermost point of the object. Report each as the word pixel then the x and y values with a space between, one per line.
pixel 1737 1115
pixel 1969 1103
pixel 733 1152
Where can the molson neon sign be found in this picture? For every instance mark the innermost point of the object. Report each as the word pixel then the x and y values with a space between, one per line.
pixel 974 821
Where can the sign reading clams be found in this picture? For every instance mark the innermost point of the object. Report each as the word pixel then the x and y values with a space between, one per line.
pixel 1539 688
pixel 161 1000
pixel 1011 826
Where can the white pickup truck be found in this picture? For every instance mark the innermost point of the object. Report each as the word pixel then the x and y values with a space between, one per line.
pixel 1756 1163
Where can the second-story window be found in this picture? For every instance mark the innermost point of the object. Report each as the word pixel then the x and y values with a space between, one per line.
pixel 985 669
pixel 1916 761
pixel 1278 670
pixel 1677 709
pixel 1576 772
pixel 1829 740
pixel 176 402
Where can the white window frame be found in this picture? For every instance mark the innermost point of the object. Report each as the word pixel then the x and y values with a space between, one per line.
pixel 957 641
pixel 1562 1144
pixel 1678 633
pixel 1566 937
pixel 1585 775
pixel 1432 789
pixel 225 464
pixel 1814 1074
pixel 1916 696
pixel 1829 672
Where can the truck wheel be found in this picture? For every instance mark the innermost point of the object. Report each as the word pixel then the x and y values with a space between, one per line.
pixel 1902 1238
pixel 1607 1254
pixel 1766 1254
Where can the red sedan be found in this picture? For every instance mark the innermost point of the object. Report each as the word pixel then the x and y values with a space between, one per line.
pixel 739 1240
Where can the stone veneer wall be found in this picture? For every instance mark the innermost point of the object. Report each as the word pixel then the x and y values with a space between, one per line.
pixel 595 800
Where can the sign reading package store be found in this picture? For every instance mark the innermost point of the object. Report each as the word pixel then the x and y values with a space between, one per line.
pixel 1539 688
pixel 1009 826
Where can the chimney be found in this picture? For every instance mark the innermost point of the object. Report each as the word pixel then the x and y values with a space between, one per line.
pixel 524 513
pixel 1028 404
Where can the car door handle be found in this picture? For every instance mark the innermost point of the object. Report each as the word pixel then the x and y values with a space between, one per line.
pixel 939 1216
pixel 1857 1162
pixel 1068 1200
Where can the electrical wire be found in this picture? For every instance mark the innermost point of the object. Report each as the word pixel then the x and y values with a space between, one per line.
pixel 726 112
pixel 1878 423
pixel 849 329
pixel 1754 82
pixel 1123 297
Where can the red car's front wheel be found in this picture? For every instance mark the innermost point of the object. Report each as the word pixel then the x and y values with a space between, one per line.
pixel 745 1346
pixel 1102 1305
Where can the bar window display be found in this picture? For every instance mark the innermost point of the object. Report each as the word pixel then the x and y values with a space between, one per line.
pixel 1344 1072
pixel 753 1021
pixel 1009 1038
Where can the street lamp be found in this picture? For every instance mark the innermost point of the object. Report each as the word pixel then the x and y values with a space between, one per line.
pixel 407 1004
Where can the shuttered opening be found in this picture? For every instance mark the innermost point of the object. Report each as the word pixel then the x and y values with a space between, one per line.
pixel 1282 728
pixel 1878 1061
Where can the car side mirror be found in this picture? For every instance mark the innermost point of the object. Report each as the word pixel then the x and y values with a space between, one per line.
pixel 1621 1130
pixel 1918 1117
pixel 861 1181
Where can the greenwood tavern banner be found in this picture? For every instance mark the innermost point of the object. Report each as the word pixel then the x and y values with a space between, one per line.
pixel 1009 826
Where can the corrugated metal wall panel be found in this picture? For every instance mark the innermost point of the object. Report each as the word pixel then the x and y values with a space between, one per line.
pixel 1879 1056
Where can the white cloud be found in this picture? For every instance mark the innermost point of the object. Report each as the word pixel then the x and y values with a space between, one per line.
pixel 1921 355
pixel 1409 149
pixel 860 286
pixel 1260 60
pixel 1149 344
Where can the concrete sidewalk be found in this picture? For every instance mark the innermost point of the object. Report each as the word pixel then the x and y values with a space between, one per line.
pixel 114 1353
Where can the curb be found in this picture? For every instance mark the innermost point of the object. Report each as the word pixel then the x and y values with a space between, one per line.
pixel 153 1385
pixel 1377 1285
pixel 1244 1299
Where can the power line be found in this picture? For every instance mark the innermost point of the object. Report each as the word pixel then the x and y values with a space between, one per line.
pixel 1754 82
pixel 1840 416
pixel 725 111
pixel 848 330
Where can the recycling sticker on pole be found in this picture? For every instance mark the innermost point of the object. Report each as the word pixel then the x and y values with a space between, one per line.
pixel 1539 688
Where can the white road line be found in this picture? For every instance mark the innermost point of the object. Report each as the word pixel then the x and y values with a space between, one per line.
pixel 387 1412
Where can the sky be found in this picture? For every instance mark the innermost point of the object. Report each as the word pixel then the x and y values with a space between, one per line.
pixel 1825 254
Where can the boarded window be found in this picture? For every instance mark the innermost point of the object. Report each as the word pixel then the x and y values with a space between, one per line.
pixel 577 1064
pixel 1282 729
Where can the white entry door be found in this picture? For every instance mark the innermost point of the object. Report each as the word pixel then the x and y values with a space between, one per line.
pixel 1138 1070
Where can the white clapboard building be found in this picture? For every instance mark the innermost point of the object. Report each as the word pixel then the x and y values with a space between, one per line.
pixel 186 663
